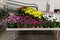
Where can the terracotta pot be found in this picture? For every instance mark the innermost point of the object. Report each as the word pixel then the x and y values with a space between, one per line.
pixel 29 27
pixel 33 26
pixel 24 26
pixel 18 26
pixel 48 27
pixel 37 26
pixel 41 26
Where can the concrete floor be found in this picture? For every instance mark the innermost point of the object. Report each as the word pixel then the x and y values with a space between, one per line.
pixel 6 35
pixel 27 35
pixel 36 35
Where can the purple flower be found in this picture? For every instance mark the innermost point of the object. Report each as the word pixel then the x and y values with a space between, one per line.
pixel 41 21
pixel 13 17
pixel 21 22
pixel 24 19
pixel 18 18
pixel 15 21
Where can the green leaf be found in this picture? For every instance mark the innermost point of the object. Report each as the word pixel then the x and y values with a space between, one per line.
pixel 11 25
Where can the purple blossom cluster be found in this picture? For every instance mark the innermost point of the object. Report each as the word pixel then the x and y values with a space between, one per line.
pixel 24 19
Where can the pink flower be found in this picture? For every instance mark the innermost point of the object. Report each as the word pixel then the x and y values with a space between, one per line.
pixel 13 17
pixel 18 18
pixel 41 21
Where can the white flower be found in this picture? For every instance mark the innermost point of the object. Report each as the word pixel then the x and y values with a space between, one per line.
pixel 51 17
pixel 58 18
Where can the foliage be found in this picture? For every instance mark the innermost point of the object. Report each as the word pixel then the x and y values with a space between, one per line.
pixel 3 13
pixel 31 17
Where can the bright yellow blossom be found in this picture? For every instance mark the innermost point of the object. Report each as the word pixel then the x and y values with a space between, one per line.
pixel 34 12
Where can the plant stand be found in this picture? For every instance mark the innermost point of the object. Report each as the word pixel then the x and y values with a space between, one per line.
pixel 55 32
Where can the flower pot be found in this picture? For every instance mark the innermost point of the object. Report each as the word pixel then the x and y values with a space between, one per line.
pixel 41 27
pixel 48 27
pixel 29 27
pixel 37 26
pixel 18 26
pixel 24 26
pixel 33 26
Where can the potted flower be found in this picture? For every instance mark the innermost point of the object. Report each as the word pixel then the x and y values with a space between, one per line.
pixel 18 25
pixel 40 25
pixel 31 26
pixel 58 24
pixel 25 25
pixel 53 24
pixel 11 25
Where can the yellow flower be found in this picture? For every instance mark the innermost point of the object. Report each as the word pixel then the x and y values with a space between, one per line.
pixel 39 17
pixel 34 12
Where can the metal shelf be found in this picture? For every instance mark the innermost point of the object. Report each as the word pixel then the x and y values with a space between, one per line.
pixel 2 23
pixel 24 29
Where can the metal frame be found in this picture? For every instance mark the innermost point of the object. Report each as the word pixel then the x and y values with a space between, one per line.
pixel 21 4
pixel 24 29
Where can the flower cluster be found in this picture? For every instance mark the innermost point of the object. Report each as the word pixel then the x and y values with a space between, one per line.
pixel 24 18
pixel 52 17
pixel 34 12
pixel 29 21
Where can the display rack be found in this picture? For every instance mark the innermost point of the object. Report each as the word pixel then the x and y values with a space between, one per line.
pixel 24 29
pixel 2 27
pixel 10 5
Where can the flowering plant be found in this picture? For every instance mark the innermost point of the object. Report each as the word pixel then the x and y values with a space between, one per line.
pixel 24 20
pixel 29 17
pixel 32 12
pixel 30 22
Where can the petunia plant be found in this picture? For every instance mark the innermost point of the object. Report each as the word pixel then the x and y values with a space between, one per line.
pixel 29 17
